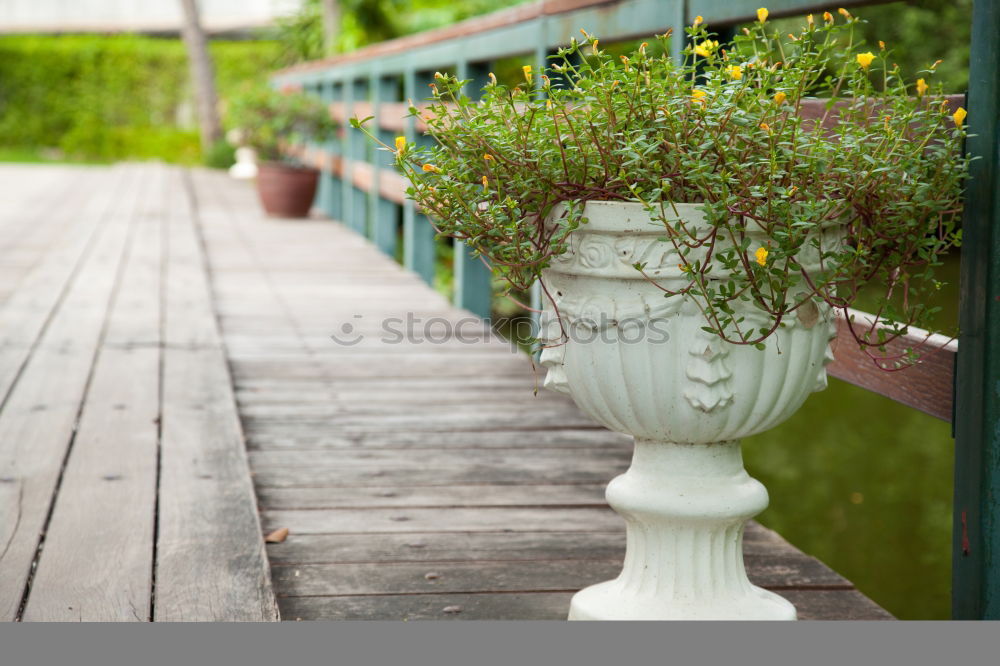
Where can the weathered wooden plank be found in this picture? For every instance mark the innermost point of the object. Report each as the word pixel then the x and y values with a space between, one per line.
pixel 210 553
pixel 39 416
pixel 298 548
pixel 26 312
pixel 98 560
pixel 30 221
pixel 926 386
pixel 588 494
pixel 811 605
pixel 336 461
pixel 525 470
pixel 444 519
pixel 497 417
pixel 310 439
pixel 495 606
pixel 299 580
pixel 430 547
pixel 835 605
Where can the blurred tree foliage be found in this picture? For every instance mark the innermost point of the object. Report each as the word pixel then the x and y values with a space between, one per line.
pixel 917 33
pixel 368 21
pixel 106 98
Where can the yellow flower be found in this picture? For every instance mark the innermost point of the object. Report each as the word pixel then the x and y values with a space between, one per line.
pixel 706 47
pixel 431 167
pixel 779 98
pixel 698 21
pixel 828 17
pixel 736 72
pixel 865 59
pixel 921 87
pixel 846 14
pixel 486 181
pixel 881 44
pixel 593 47
pixel 761 256
pixel 765 127
pixel 548 104
pixel 792 190
pixel 762 14
pixel 527 73
pixel 493 78
pixel 400 144
pixel 698 96
pixel 959 116
pixel 488 157
pixel 809 20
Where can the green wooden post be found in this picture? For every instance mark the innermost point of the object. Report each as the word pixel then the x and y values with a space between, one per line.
pixel 473 280
pixel 347 141
pixel 677 17
pixel 330 186
pixel 976 535
pixel 418 234
pixel 360 212
pixel 384 222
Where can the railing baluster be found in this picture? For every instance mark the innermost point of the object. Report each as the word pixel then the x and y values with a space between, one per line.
pixel 473 280
pixel 418 235
pixel 330 188
pixel 386 212
pixel 347 152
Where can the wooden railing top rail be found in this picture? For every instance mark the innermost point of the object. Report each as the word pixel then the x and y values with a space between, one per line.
pixel 548 24
pixel 468 28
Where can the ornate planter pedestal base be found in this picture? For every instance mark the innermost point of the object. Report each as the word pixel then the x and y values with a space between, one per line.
pixel 685 506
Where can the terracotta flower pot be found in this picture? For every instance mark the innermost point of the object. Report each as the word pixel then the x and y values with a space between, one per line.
pixel 285 190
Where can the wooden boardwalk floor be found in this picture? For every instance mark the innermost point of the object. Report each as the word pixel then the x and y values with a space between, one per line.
pixel 419 480
pixel 124 488
pixel 151 321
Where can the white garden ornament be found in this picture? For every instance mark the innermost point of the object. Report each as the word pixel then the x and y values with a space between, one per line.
pixel 639 363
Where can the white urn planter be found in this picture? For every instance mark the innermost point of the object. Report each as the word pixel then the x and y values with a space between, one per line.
pixel 639 363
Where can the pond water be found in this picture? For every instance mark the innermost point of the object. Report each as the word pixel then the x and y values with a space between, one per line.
pixel 865 484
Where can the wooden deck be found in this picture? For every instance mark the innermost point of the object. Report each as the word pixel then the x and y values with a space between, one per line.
pixel 418 480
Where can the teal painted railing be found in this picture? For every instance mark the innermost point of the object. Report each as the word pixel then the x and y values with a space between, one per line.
pixel 359 188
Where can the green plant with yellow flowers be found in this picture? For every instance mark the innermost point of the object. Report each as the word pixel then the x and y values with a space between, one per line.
pixel 880 171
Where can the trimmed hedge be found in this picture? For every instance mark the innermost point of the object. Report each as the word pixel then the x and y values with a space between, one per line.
pixel 108 98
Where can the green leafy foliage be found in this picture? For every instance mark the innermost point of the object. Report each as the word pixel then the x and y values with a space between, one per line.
pixel 106 98
pixel 797 210
pixel 267 119
pixel 365 22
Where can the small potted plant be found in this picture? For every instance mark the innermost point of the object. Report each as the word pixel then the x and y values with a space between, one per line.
pixel 693 233
pixel 270 120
